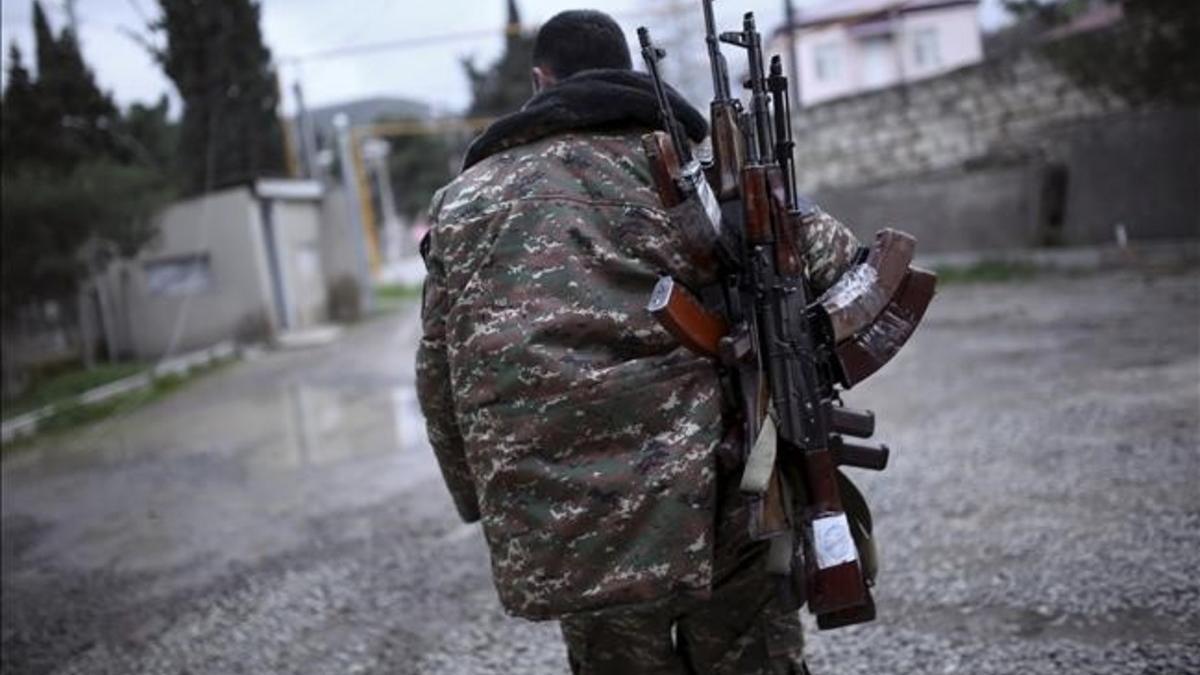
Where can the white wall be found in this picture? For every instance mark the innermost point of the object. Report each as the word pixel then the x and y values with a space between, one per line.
pixel 298 231
pixel 226 227
pixel 959 43
pixel 809 43
pixel 237 292
pixel 339 255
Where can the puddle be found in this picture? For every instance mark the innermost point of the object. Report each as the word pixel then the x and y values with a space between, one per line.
pixel 232 471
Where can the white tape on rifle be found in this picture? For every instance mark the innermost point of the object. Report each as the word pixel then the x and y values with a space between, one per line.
pixel 832 541
pixel 694 176
pixel 761 461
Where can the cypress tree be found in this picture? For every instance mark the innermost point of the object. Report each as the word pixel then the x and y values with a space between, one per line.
pixel 216 57
pixel 67 178
pixel 505 86
pixel 76 118
pixel 23 126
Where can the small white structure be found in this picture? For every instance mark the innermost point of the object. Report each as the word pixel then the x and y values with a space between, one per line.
pixel 849 46
pixel 245 262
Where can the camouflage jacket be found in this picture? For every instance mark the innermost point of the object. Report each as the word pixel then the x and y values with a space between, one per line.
pixel 562 415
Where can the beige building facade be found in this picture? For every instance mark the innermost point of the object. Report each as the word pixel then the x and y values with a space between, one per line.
pixel 243 263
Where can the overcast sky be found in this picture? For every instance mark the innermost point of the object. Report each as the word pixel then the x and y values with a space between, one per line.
pixel 429 72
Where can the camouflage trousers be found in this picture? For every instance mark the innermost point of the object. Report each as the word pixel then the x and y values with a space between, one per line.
pixel 742 629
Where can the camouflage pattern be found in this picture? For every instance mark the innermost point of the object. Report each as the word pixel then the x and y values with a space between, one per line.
pixel 742 628
pixel 828 246
pixel 562 415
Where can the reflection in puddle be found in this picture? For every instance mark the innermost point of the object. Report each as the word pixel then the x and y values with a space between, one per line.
pixel 266 429
pixel 410 424
pixel 233 476
pixel 324 424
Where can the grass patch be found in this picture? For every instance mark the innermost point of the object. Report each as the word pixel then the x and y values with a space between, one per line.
pixel 69 416
pixel 67 385
pixel 392 298
pixel 398 292
pixel 987 271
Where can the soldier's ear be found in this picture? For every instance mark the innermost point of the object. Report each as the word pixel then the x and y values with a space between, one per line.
pixel 542 78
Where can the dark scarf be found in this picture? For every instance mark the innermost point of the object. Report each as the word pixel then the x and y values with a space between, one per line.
pixel 589 99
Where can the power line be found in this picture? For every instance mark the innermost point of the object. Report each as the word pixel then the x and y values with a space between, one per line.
pixel 424 40
pixel 404 43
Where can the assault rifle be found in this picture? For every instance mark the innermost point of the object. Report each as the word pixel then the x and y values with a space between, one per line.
pixel 787 352
pixel 728 143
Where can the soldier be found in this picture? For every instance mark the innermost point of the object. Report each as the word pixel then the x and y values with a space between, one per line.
pixel 592 446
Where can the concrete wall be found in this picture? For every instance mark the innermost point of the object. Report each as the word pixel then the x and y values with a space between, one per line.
pixel 339 254
pixel 1136 169
pixel 1139 169
pixel 968 159
pixel 952 210
pixel 225 227
pixel 298 233
pixel 995 108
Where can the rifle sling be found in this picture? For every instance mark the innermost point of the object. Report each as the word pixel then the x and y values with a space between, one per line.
pixel 761 462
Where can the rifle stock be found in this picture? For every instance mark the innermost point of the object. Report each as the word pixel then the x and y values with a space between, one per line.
pixel 685 318
pixel 664 167
pixel 728 150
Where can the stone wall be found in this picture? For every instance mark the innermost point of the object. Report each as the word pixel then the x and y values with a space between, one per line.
pixel 1008 153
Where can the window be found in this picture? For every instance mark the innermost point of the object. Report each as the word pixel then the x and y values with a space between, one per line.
pixel 927 51
pixel 179 275
pixel 827 59
pixel 878 61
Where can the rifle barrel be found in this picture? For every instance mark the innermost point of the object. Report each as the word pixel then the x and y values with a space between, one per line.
pixel 652 54
pixel 720 70
pixel 758 90
pixel 784 145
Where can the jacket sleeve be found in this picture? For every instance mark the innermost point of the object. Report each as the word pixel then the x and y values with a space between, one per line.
pixel 828 247
pixel 435 390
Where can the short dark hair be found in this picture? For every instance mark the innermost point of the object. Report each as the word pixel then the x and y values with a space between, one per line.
pixel 580 39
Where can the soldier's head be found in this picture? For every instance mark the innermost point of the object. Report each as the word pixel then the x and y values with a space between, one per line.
pixel 575 40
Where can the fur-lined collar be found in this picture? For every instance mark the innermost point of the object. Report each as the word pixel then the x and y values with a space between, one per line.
pixel 588 99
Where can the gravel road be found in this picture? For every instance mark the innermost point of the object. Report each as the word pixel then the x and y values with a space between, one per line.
pixel 1041 514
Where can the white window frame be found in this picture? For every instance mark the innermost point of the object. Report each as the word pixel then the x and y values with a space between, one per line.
pixel 827 62
pixel 927 48
pixel 177 276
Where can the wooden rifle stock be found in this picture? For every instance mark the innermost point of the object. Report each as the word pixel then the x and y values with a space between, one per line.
pixel 684 317
pixel 728 150
pixel 849 616
pixel 664 167
pixel 835 579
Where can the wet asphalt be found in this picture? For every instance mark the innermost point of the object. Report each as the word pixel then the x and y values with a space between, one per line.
pixel 1041 513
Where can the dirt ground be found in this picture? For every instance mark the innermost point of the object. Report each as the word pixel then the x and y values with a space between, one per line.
pixel 1041 513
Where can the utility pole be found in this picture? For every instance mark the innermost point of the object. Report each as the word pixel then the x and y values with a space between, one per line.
pixel 789 13
pixel 375 152
pixel 306 134
pixel 353 200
